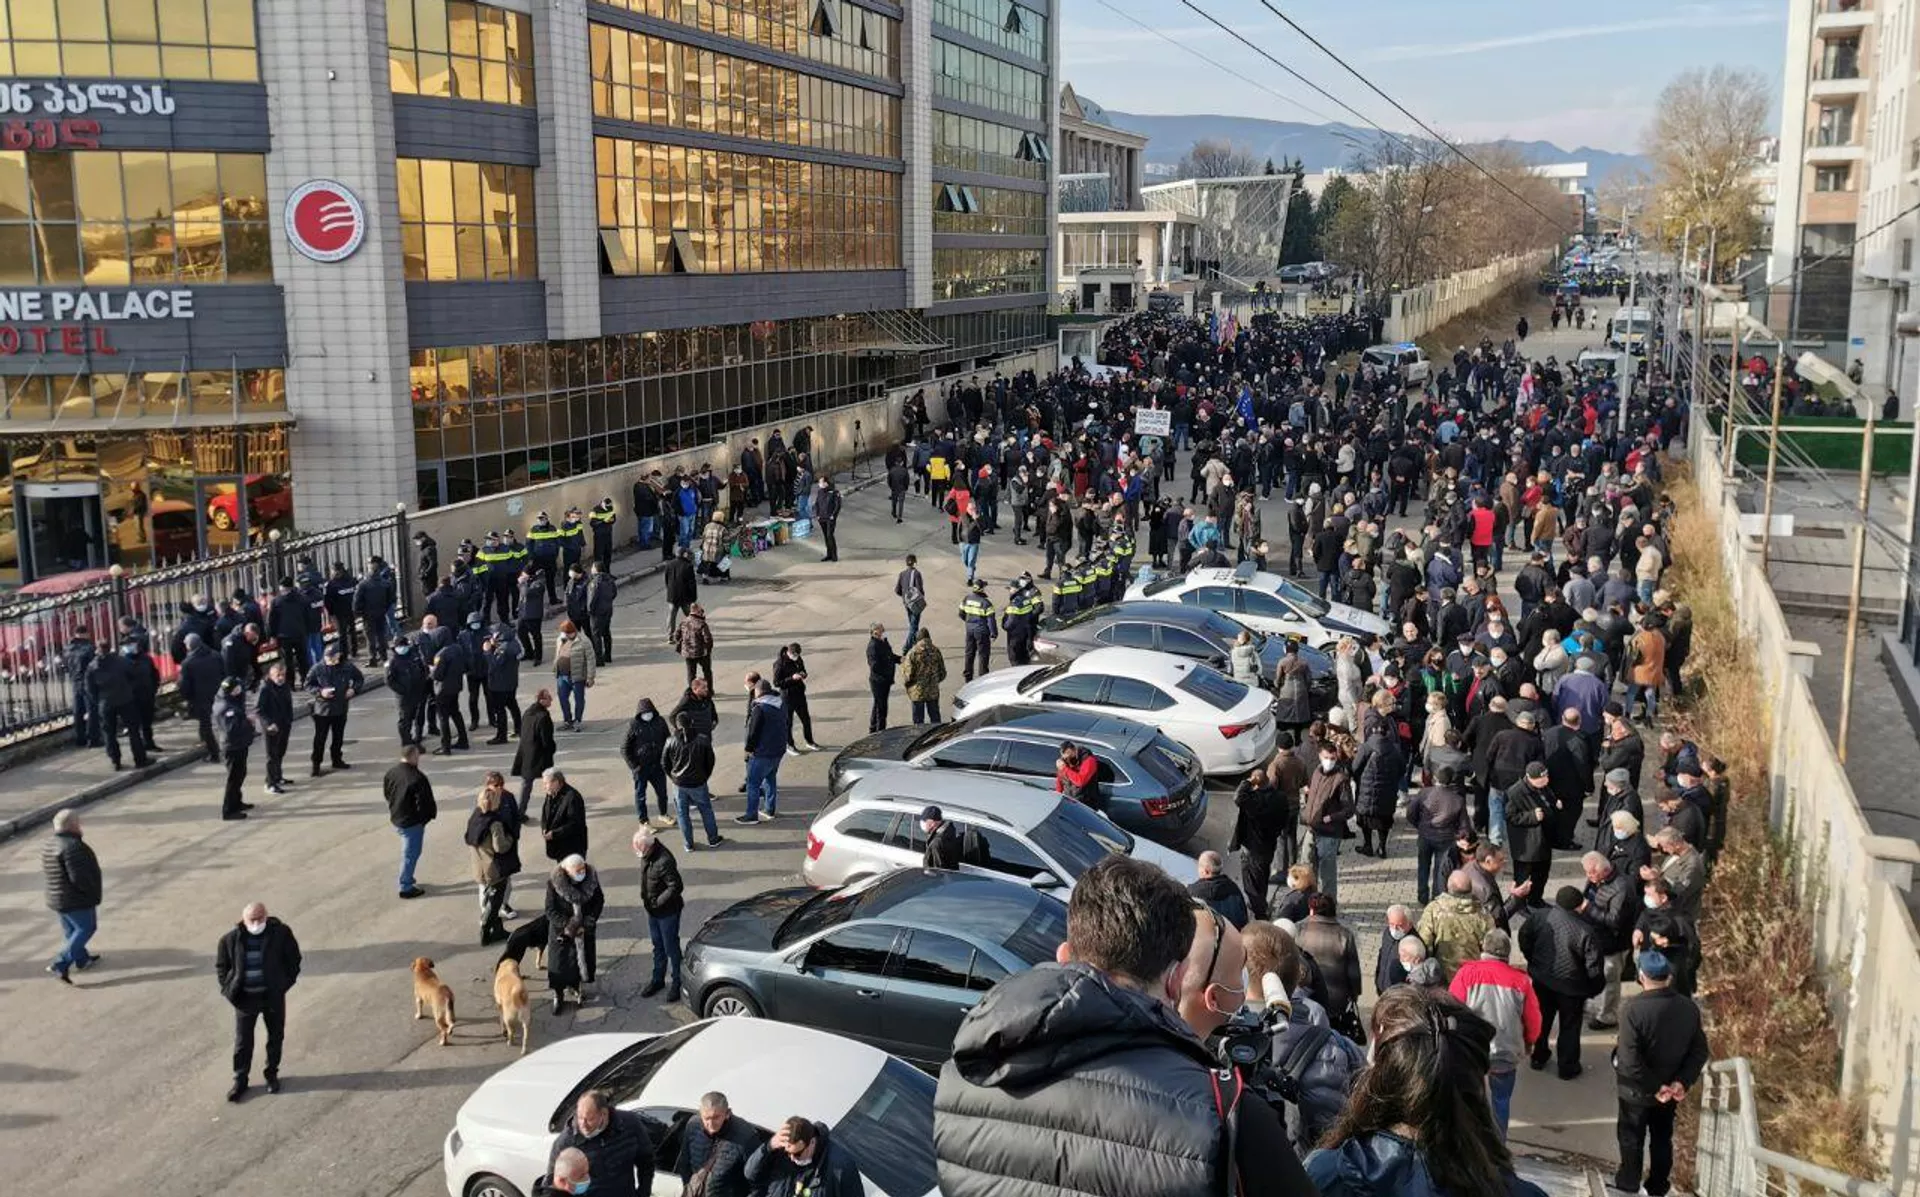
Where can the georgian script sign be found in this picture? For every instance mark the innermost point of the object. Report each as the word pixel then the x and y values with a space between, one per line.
pixel 57 98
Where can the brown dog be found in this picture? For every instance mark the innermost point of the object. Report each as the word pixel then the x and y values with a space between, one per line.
pixel 510 994
pixel 428 991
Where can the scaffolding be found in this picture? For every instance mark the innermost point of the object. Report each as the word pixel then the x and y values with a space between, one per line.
pixel 1242 220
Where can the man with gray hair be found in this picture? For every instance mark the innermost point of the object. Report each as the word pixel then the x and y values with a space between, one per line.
pixel 661 896
pixel 1504 996
pixel 718 1146
pixel 200 676
pixel 563 817
pixel 256 963
pixel 570 1174
pixel 1218 891
pixel 1390 963
pixel 72 874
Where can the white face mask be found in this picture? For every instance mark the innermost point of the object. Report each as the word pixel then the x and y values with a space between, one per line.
pixel 1327 764
pixel 1397 932
pixel 578 877
pixel 646 716
pixel 256 928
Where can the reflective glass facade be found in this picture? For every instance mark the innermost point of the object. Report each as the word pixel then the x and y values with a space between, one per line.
pixel 659 82
pixel 967 143
pixel 129 39
pixel 849 37
pixel 971 77
pixel 960 209
pixel 467 220
pixel 107 218
pixel 1001 23
pixel 460 50
pixel 973 273
pixel 675 210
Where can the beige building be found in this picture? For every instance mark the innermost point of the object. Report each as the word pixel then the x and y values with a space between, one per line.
pixel 1091 150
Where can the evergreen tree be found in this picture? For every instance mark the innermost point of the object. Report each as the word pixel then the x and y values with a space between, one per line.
pixel 1301 240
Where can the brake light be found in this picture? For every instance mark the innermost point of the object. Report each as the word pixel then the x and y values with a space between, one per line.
pixel 1230 730
pixel 814 846
pixel 1156 808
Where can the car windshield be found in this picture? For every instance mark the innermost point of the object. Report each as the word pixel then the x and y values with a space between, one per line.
pixel 828 908
pixel 1041 677
pixel 1222 629
pixel 1217 691
pixel 938 736
pixel 624 1076
pixel 1037 939
pixel 1079 838
pixel 889 1131
pixel 1303 598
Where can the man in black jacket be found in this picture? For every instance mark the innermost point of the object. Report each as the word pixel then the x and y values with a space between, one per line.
pixel 240 655
pixel 373 597
pixel 717 1145
pixel 644 749
pixel 601 591
pixel 688 760
pixel 334 685
pixel 111 680
pixel 616 1142
pixel 236 731
pixel 412 687
pixel 1566 961
pixel 449 678
pixel 200 676
pixel 661 897
pixel 882 661
pixel 945 846
pixel 73 890
pixel 1658 1057
pixel 274 709
pixel 256 963
pixel 682 587
pixel 826 513
pixel 801 1160
pixel 1527 811
pixel 410 807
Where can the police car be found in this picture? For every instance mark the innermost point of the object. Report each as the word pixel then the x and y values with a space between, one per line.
pixel 1264 602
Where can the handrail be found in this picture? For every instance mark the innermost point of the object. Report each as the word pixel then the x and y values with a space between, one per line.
pixel 1761 1160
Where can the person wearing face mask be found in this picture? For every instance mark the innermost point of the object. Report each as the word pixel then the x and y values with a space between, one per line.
pixel 412 688
pixel 1328 805
pixel 1659 926
pixel 801 1160
pixel 644 750
pixel 574 902
pixel 256 963
pixel 615 1142
pixel 568 1174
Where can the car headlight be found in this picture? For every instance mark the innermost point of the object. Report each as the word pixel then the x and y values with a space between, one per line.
pixel 454 1142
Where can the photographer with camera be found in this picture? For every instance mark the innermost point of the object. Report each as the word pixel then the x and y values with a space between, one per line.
pixel 1307 1065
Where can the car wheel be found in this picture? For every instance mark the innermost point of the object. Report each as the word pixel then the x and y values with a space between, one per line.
pixel 222 519
pixel 488 1185
pixel 730 1001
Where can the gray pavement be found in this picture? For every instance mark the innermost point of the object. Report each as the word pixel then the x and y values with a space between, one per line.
pixel 369 1095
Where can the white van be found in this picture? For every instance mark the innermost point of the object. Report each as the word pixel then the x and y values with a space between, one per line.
pixel 1629 329
pixel 1407 357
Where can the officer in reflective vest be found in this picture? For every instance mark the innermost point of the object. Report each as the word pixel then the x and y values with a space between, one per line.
pixel 521 558
pixel 1102 565
pixel 573 539
pixel 1123 548
pixel 1066 592
pixel 977 612
pixel 493 567
pixel 602 518
pixel 1020 619
pixel 543 549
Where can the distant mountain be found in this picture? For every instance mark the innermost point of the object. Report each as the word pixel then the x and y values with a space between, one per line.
pixel 1319 146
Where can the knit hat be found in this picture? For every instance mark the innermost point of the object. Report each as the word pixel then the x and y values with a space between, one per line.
pixel 1654 966
pixel 1619 777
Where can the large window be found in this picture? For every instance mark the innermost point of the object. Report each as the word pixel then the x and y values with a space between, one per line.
pixel 128 39
pixel 964 143
pixel 1002 23
pixel 971 273
pixel 831 31
pixel 674 210
pixel 1110 246
pixel 975 78
pixel 659 82
pixel 466 220
pixel 958 209
pixel 459 49
pixel 112 219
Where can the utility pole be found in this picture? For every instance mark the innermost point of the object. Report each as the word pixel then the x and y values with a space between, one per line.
pixel 1853 587
pixel 1633 302
pixel 1773 456
pixel 1729 430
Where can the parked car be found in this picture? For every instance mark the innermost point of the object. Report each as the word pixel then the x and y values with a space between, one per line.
pixel 1197 633
pixel 269 502
pixel 1265 602
pixel 1230 727
pixel 1153 786
pixel 1410 359
pixel 1031 835
pixel 879 1107
pixel 894 961
pixel 1301 273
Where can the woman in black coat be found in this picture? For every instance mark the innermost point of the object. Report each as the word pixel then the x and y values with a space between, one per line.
pixel 1157 534
pixel 1261 821
pixel 574 903
pixel 790 677
pixel 1378 769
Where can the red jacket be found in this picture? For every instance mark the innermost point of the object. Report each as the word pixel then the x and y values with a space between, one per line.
pixel 1503 995
pixel 1482 518
pixel 1080 774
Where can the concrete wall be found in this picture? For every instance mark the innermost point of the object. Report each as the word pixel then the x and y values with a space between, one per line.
pixel 1854 879
pixel 1417 311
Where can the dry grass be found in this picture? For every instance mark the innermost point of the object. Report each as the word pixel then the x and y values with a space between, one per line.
pixel 1763 992
pixel 1493 321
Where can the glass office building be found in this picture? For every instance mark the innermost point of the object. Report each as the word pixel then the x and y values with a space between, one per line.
pixel 473 246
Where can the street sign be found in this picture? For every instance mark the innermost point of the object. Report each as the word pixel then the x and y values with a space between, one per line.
pixel 1149 421
pixel 1321 305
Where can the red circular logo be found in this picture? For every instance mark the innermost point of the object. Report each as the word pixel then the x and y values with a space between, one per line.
pixel 325 220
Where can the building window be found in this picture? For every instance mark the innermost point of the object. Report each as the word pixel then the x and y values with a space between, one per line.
pixel 971 273
pixel 115 219
pixel 964 143
pixel 1835 126
pixel 975 78
pixel 655 81
pixel 470 221
pixel 1003 23
pixel 989 210
pixel 129 39
pixel 673 209
pixel 460 50
pixel 834 32
pixel 1832 178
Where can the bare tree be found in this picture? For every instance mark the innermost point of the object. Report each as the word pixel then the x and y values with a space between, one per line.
pixel 1208 159
pixel 1704 142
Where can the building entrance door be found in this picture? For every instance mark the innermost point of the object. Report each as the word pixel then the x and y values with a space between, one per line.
pixel 64 528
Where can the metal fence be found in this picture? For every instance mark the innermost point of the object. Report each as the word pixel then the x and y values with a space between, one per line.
pixel 36 691
pixel 1732 1163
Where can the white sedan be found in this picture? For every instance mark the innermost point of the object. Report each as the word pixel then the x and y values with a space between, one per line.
pixel 880 1107
pixel 1264 602
pixel 1228 726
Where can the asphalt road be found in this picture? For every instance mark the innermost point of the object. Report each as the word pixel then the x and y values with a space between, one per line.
pixel 117 1083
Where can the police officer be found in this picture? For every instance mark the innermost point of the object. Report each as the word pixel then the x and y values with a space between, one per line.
pixel 573 538
pixel 601 519
pixel 1102 566
pixel 1020 619
pixel 449 678
pixel 236 732
pixel 333 685
pixel 601 591
pixel 1066 592
pixel 543 550
pixel 493 570
pixel 517 550
pixel 503 683
pixel 426 560
pixel 533 613
pixel 472 641
pixel 977 613
pixel 1122 546
pixel 412 689
pixel 577 599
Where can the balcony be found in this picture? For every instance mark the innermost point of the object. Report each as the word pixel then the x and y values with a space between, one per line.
pixel 1833 143
pixel 1833 17
pixel 1836 81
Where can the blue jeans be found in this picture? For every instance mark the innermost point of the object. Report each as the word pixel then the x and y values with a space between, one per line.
pixel 686 530
pixel 1500 1091
pixel 642 778
pixel 1326 864
pixel 1647 694
pixel 763 773
pixel 1645 591
pixel 913 624
pixel 78 926
pixel 1326 584
pixel 317 647
pixel 573 699
pixel 970 557
pixel 926 712
pixel 664 933
pixel 1497 817
pixel 693 798
pixel 644 537
pixel 1544 546
pixel 411 841
pixel 1180 436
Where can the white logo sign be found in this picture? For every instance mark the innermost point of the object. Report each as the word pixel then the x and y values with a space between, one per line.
pixel 325 220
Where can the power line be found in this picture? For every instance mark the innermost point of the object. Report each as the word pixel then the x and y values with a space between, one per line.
pixel 1216 64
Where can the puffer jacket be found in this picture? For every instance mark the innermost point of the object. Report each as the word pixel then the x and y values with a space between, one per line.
pixel 1062 1082
pixel 1383 1164
pixel 1377 770
pixel 1503 995
pixel 72 873
pixel 1324 1084
pixel 577 656
pixel 1563 952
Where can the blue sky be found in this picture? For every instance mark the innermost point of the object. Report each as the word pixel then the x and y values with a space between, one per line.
pixel 1571 73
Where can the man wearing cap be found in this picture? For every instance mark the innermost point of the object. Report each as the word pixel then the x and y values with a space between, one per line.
pixel 1659 1055
pixel 236 733
pixel 1528 816
pixel 977 613
pixel 601 521
pixel 944 844
pixel 573 538
pixel 543 548
pixel 1020 619
pixel 333 684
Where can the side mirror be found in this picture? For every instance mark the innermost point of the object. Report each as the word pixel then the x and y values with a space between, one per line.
pixel 1045 880
pixel 1217 662
pixel 798 961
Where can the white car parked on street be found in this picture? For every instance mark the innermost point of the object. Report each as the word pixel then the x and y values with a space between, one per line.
pixel 1228 726
pixel 1265 602
pixel 880 1107
pixel 1031 833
